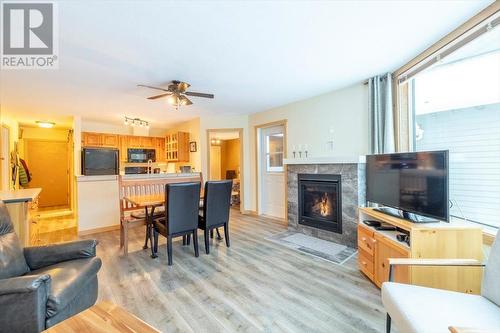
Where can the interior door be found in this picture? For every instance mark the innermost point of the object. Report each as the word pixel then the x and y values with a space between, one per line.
pixel 215 163
pixel 48 163
pixel 272 176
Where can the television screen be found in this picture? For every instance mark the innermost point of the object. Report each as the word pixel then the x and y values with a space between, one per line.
pixel 99 161
pixel 413 182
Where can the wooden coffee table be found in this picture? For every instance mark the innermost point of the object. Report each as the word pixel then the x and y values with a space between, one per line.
pixel 104 317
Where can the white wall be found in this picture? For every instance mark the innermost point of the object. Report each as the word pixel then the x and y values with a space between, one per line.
pixel 310 122
pixel 100 127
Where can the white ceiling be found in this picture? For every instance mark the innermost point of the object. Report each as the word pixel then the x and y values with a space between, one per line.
pixel 253 55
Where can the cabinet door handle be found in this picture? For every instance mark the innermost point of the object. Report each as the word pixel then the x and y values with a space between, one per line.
pixel 363 239
pixel 363 263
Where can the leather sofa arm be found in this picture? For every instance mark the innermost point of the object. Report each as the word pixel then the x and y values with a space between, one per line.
pixel 42 256
pixel 23 302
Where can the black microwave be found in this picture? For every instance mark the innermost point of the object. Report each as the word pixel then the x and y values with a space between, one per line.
pixel 135 155
pixel 100 161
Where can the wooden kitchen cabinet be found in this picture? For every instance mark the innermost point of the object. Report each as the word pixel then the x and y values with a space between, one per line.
pixel 110 140
pixel 160 149
pixel 134 141
pixel 90 139
pixel 124 142
pixel 123 147
pixel 147 142
pixel 177 147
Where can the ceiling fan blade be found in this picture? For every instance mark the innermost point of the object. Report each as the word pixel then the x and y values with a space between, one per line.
pixel 159 96
pixel 185 101
pixel 151 87
pixel 183 86
pixel 197 94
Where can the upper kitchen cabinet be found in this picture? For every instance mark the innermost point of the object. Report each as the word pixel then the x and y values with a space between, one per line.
pixel 110 140
pixel 177 147
pixel 147 142
pixel 124 142
pixel 160 149
pixel 134 141
pixel 91 139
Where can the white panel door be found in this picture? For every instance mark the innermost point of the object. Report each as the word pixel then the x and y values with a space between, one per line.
pixel 272 187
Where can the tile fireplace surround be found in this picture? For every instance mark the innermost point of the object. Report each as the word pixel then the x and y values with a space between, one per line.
pixel 352 172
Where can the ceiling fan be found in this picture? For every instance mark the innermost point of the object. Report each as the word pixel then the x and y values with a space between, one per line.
pixel 176 93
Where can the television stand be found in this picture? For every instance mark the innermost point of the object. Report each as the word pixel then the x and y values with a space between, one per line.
pixel 427 240
pixel 415 218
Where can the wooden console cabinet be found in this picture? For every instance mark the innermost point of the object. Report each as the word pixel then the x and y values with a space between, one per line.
pixel 427 240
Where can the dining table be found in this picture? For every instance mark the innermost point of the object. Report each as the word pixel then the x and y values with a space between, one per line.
pixel 150 202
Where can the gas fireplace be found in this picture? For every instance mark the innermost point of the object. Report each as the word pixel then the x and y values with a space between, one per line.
pixel 319 201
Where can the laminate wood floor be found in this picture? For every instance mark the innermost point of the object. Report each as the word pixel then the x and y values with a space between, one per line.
pixel 253 286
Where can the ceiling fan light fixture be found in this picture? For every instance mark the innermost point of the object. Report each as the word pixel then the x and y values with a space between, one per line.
pixel 173 100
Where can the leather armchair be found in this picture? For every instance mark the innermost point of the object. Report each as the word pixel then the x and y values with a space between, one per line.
pixel 43 285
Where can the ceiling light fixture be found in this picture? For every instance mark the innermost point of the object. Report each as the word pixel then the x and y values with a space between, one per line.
pixel 45 124
pixel 136 122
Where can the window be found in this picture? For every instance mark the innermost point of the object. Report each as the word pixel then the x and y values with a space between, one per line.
pixel 274 152
pixel 455 105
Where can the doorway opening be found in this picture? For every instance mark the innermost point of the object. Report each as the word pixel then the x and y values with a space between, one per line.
pixel 271 175
pixel 47 155
pixel 225 160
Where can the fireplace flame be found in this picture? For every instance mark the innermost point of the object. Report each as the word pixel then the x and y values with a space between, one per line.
pixel 324 206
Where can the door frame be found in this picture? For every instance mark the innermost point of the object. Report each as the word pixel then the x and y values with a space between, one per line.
pixel 242 167
pixel 258 163
pixel 6 159
pixel 70 162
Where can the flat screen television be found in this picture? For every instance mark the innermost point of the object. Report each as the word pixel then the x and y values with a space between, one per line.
pixel 100 161
pixel 412 185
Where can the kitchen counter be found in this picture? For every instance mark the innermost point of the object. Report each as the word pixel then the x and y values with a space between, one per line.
pixel 19 204
pixel 161 175
pixel 99 197
pixel 23 195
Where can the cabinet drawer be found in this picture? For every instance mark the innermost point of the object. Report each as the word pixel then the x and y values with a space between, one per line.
pixel 365 263
pixel 366 241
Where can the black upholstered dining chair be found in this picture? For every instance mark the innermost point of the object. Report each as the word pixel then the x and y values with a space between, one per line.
pixel 181 215
pixel 215 212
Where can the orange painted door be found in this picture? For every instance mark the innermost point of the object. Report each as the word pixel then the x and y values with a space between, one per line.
pixel 48 163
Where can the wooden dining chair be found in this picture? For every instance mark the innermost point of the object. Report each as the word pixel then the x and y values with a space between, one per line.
pixel 215 212
pixel 181 215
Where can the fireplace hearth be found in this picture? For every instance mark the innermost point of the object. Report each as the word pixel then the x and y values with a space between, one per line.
pixel 320 203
